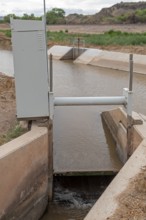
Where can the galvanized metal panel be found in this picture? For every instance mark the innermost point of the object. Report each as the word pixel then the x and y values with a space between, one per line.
pixel 30 70
pixel 27 25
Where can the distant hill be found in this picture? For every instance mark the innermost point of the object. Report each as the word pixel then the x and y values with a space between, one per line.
pixel 121 13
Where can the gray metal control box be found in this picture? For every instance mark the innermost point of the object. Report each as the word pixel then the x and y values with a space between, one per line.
pixel 30 68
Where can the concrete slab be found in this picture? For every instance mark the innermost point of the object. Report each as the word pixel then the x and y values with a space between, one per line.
pixel 109 59
pixel 88 56
pixel 119 61
pixel 61 52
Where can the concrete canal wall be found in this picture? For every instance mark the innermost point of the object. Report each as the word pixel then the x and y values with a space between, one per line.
pixel 130 176
pixel 117 123
pixel 101 58
pixel 24 176
pixel 109 203
pixel 65 52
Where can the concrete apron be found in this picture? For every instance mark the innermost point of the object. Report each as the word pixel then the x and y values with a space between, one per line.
pixel 101 58
pixel 24 176
pixel 108 204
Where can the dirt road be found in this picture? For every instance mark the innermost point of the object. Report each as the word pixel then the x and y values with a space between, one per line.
pixel 98 29
pixel 91 29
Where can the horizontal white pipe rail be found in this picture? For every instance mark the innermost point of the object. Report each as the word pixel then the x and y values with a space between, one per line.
pixel 75 101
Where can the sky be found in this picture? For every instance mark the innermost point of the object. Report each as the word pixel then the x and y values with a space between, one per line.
pixel 19 7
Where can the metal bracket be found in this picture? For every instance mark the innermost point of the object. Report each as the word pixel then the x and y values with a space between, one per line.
pixel 51 105
pixel 128 96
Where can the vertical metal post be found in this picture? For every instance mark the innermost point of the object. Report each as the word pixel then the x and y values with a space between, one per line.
pixel 51 113
pixel 50 124
pixel 131 72
pixel 51 95
pixel 51 73
pixel 129 110
pixel 78 46
pixel 50 158
pixel 45 13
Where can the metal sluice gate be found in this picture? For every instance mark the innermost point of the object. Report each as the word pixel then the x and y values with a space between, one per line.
pixel 125 99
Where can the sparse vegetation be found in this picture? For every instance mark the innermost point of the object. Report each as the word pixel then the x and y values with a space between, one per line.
pixel 7 33
pixel 54 16
pixel 23 17
pixel 108 38
pixel 14 132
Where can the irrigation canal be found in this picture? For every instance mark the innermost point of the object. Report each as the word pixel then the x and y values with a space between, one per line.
pixel 82 126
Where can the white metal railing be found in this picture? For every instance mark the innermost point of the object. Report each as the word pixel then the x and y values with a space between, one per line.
pixel 67 101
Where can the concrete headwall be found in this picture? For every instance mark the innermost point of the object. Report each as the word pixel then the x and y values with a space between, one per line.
pixel 65 52
pixel 59 52
pixel 24 176
pixel 88 56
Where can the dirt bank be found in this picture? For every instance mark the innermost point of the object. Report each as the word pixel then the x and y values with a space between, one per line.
pixel 132 202
pixel 5 42
pixel 7 104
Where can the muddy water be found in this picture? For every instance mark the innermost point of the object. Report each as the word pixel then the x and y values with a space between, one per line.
pixel 81 80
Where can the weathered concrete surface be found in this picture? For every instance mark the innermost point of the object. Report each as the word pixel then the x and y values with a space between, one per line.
pixel 24 176
pixel 119 61
pixel 116 120
pixel 61 52
pixel 107 203
pixel 114 60
pixel 88 56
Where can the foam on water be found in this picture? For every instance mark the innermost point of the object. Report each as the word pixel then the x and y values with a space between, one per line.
pixel 74 196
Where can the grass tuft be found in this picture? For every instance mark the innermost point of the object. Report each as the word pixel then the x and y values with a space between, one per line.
pixel 13 133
